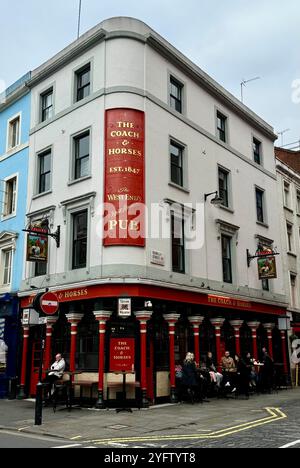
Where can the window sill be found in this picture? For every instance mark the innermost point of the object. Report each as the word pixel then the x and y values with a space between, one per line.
pixel 39 195
pixel 292 254
pixel 179 187
pixel 288 209
pixel 265 225
pixel 77 181
pixel 8 217
pixel 226 208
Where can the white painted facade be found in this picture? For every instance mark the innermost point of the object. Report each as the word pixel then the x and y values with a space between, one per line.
pixel 131 67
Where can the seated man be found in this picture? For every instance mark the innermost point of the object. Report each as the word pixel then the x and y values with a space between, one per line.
pixel 229 371
pixel 57 370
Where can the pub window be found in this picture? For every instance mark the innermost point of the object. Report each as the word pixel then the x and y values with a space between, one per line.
pixel 47 105
pixel 177 155
pixel 222 127
pixel 44 171
pixel 226 259
pixel 224 186
pixel 10 197
pixel 176 95
pixel 88 343
pixel 260 205
pixel 257 154
pixel 82 155
pixel 13 133
pixel 80 231
pixel 83 83
pixel 178 244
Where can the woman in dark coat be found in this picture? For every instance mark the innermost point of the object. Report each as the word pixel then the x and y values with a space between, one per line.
pixel 189 375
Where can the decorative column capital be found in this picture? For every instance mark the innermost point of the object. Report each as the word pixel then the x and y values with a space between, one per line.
pixel 51 321
pixel 253 325
pixel 172 318
pixel 196 320
pixel 217 322
pixel 143 315
pixel 237 324
pixel 102 315
pixel 269 326
pixel 74 319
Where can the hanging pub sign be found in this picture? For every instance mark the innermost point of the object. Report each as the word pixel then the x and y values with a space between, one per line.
pixel 122 355
pixel 266 265
pixel 124 309
pixel 37 244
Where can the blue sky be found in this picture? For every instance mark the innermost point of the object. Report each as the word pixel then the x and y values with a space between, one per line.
pixel 231 40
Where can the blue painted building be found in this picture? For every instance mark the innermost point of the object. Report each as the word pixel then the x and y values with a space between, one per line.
pixel 14 154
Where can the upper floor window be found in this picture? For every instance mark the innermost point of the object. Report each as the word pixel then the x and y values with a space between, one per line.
pixel 226 259
pixel 6 264
pixel 257 151
pixel 178 244
pixel 289 231
pixel 13 133
pixel 298 201
pixel 260 205
pixel 176 95
pixel 224 186
pixel 47 105
pixel 82 155
pixel 10 197
pixel 222 127
pixel 287 195
pixel 80 237
pixel 265 285
pixel 44 171
pixel 83 83
pixel 177 155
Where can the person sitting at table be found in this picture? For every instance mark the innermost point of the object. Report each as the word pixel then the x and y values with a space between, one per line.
pixel 229 371
pixel 216 377
pixel 56 372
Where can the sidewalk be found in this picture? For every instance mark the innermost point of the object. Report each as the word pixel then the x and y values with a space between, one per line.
pixel 85 424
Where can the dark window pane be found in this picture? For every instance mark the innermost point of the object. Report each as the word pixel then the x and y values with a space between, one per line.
pixel 79 240
pixel 176 95
pixel 226 259
pixel 223 187
pixel 83 83
pixel 44 172
pixel 260 205
pixel 221 126
pixel 47 105
pixel 257 151
pixel 178 247
pixel 82 155
pixel 177 164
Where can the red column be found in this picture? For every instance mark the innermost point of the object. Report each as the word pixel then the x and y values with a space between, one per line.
pixel 269 327
pixel 49 330
pixel 143 317
pixel 284 352
pixel 74 320
pixel 237 324
pixel 254 326
pixel 218 323
pixel 196 322
pixel 172 319
pixel 102 317
pixel 24 361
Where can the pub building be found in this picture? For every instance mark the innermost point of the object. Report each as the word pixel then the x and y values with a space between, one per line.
pixel 161 185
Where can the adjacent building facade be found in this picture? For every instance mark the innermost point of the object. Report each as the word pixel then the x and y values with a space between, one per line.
pixel 14 153
pixel 122 118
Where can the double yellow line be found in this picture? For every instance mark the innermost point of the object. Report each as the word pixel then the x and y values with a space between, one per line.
pixel 275 414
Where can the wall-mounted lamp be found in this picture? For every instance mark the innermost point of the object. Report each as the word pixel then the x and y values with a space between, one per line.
pixel 216 201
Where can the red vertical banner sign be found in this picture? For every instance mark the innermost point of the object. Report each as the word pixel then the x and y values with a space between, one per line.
pixel 124 179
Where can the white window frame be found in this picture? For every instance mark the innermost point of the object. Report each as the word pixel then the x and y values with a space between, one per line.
pixel 4 253
pixel 8 133
pixel 4 216
pixel 7 243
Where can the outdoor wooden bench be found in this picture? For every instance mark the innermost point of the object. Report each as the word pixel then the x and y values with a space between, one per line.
pixel 91 384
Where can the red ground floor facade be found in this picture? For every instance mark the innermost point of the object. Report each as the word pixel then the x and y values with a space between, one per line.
pixel 147 345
